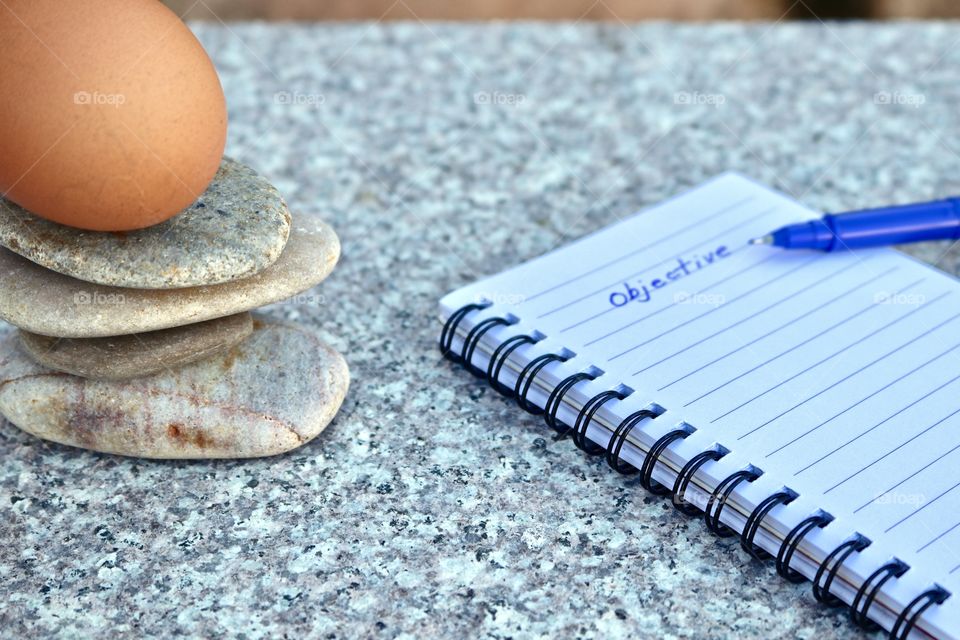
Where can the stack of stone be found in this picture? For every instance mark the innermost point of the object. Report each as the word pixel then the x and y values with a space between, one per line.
pixel 142 343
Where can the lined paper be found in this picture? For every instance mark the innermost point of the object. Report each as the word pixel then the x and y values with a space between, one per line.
pixel 839 374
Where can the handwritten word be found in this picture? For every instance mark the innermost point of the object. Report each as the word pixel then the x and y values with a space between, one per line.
pixel 683 267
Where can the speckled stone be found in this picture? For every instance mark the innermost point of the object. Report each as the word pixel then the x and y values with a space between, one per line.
pixel 41 301
pixel 432 507
pixel 236 229
pixel 139 354
pixel 266 396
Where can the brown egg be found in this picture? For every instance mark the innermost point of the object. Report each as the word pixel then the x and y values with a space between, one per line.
pixel 111 114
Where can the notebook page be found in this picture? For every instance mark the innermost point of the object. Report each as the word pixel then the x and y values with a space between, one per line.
pixel 836 374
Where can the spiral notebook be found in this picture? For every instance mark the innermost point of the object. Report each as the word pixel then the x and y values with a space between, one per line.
pixel 807 403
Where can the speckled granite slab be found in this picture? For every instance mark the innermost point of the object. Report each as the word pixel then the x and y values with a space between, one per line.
pixel 431 507
pixel 236 229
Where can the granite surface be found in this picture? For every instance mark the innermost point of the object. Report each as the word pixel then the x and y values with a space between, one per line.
pixel 431 507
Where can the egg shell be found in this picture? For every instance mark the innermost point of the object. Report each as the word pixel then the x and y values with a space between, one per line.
pixel 112 116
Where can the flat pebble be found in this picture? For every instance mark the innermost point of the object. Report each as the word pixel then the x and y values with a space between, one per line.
pixel 236 229
pixel 41 301
pixel 272 393
pixel 138 354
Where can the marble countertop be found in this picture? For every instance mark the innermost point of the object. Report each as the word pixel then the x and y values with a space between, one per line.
pixel 432 507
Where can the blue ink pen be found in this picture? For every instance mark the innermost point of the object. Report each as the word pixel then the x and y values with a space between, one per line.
pixel 937 220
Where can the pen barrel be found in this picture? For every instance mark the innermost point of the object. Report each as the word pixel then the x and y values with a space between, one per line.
pixel 937 220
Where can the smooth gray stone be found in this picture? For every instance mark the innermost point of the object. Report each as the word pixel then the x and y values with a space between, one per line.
pixel 236 229
pixel 138 354
pixel 41 301
pixel 272 393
